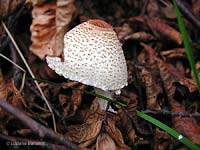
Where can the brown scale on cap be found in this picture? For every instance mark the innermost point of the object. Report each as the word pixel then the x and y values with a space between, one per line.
pixel 100 23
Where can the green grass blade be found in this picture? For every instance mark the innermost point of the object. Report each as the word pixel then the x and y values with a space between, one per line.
pixel 187 45
pixel 169 130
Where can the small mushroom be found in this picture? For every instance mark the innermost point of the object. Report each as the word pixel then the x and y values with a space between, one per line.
pixel 93 56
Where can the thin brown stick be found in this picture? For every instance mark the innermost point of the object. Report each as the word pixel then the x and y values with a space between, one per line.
pixel 188 13
pixel 16 65
pixel 170 113
pixel 144 7
pixel 37 128
pixel 31 73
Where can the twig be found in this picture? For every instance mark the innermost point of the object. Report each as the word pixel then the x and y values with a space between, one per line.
pixel 3 42
pixel 188 14
pixel 31 87
pixel 29 142
pixel 144 7
pixel 166 112
pixel 37 128
pixel 165 3
pixel 16 65
pixel 31 73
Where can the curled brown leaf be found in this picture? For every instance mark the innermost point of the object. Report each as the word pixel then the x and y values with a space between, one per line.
pixel 162 139
pixel 153 8
pixel 10 93
pixel 159 27
pixel 162 28
pixel 43 30
pixel 86 134
pixel 3 92
pixel 152 90
pixel 196 8
pixel 123 31
pixel 3 87
pixel 77 98
pixel 140 36
pixel 115 134
pixel 189 83
pixel 167 78
pixel 105 142
pixel 150 52
pixel 17 100
pixel 50 23
pixel 172 53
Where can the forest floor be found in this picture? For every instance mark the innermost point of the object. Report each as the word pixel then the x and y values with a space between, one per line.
pixel 47 111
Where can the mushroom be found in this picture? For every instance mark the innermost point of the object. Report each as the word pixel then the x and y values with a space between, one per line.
pixel 93 56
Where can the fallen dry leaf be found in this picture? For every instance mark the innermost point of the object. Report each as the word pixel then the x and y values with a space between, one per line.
pixel 24 132
pixel 198 69
pixel 162 28
pixel 64 13
pixel 127 124
pixel 159 28
pixel 152 90
pixel 86 134
pixel 15 97
pixel 3 88
pixel 162 139
pixel 115 134
pixel 43 29
pixel 123 31
pixel 153 8
pixel 64 101
pixel 8 7
pixel 168 12
pixel 77 98
pixel 105 142
pixel 196 8
pixel 70 104
pixel 178 52
pixel 166 77
pixel 151 54
pixel 189 83
pixel 140 36
pixel 185 125
pixel 11 94
pixel 49 25
pixel 149 76
pixel 127 114
pixel 3 92
pixel 36 2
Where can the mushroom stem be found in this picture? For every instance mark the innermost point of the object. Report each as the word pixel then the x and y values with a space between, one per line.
pixel 103 103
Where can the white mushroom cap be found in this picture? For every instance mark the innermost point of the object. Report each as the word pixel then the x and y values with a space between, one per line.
pixel 93 56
